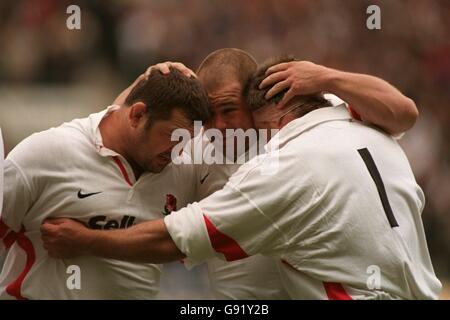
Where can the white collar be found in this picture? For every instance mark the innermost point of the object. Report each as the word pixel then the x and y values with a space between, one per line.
pixel 296 127
pixel 95 120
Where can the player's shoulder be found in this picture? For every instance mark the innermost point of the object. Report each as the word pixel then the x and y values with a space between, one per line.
pixel 47 147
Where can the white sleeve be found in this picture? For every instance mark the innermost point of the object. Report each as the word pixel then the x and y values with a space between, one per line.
pixel 3 227
pixel 188 230
pixel 233 223
pixel 17 196
pixel 23 169
pixel 1 171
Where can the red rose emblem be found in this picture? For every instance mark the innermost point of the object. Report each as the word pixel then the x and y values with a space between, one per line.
pixel 171 204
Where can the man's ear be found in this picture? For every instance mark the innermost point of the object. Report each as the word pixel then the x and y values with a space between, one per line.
pixel 137 113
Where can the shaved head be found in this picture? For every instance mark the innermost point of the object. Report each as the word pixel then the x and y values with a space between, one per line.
pixel 224 66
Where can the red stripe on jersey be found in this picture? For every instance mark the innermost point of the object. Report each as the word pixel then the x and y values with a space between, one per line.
pixel 15 287
pixel 10 238
pixel 123 170
pixel 3 229
pixel 335 291
pixel 223 243
pixel 355 115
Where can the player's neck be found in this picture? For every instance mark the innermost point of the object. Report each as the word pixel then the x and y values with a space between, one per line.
pixel 113 133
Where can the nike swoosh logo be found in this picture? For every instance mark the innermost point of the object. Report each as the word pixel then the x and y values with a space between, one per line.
pixel 204 178
pixel 85 195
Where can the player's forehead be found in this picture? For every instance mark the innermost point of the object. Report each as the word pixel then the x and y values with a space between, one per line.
pixel 229 91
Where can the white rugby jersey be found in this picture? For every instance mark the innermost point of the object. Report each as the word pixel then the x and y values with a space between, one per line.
pixel 67 172
pixel 256 277
pixel 343 213
pixel 1 170
pixel 1 193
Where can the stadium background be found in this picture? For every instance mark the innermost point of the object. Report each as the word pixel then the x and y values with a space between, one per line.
pixel 49 74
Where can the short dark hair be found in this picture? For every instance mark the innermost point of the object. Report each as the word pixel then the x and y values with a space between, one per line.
pixel 225 64
pixel 164 93
pixel 255 97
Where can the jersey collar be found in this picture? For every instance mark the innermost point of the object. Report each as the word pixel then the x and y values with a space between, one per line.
pixel 95 120
pixel 296 127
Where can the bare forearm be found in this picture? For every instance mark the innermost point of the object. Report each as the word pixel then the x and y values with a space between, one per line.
pixel 120 100
pixel 374 99
pixel 145 242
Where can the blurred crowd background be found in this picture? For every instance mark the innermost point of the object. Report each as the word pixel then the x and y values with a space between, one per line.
pixel 50 74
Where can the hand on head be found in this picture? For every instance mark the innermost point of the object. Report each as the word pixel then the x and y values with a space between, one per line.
pixel 164 68
pixel 297 77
